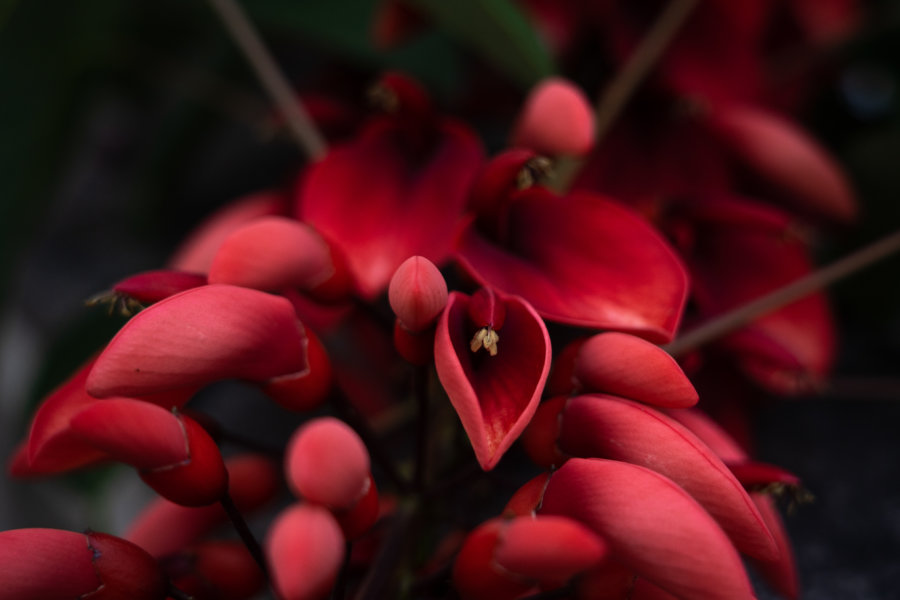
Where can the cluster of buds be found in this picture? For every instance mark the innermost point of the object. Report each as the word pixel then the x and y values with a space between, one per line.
pixel 405 277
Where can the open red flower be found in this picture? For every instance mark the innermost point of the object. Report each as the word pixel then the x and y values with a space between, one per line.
pixel 395 191
pixel 581 259
pixel 492 355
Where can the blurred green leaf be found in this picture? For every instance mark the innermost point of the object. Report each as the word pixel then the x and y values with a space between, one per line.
pixel 495 30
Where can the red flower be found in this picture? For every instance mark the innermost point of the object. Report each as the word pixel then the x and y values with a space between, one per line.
pixel 580 259
pixel 395 191
pixel 492 355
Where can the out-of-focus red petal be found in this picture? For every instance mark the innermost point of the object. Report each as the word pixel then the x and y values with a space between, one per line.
pixel 628 366
pixel 582 260
pixel 612 581
pixel 557 119
pixel 787 158
pixel 494 396
pixel 327 463
pixel 271 254
pixel 125 569
pixel 548 549
pixel 754 475
pixel 401 204
pixel 359 518
pixel 199 336
pixel 608 427
pixel 652 526
pixel 196 253
pixel 476 576
pixel 165 527
pixel 216 570
pixel 305 549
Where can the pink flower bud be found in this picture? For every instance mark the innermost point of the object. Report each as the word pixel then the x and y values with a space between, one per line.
pixel 557 119
pixel 327 463
pixel 305 549
pixel 628 366
pixel 417 293
pixel 43 564
pixel 173 454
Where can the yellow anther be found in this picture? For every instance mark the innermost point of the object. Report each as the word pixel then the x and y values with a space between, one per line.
pixel 485 338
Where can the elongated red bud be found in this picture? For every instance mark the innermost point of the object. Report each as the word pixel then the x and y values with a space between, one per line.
pixel 475 574
pixel 557 119
pixel 607 363
pixel 327 463
pixel 305 549
pixel 173 454
pixel 272 254
pixel 200 336
pixel 417 293
pixel 608 427
pixel 652 525
pixel 46 564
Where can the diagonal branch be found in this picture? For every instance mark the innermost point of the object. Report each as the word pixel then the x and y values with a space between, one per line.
pixel 817 280
pixel 271 77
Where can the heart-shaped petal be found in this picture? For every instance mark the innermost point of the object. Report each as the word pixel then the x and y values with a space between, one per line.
pixel 495 393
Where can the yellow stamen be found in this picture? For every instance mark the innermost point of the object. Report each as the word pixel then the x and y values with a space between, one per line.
pixel 485 338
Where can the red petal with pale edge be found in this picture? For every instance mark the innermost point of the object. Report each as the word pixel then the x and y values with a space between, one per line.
pixel 583 260
pixel 199 336
pixel 652 526
pixel 305 549
pixel 494 396
pixel 548 549
pixel 401 204
pixel 557 119
pixel 787 157
pixel 606 427
pixel 45 564
pixel 327 463
pixel 606 363
pixel 165 527
pixel 271 254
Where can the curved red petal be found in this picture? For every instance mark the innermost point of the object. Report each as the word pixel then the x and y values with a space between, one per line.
pixel 653 527
pixel 606 427
pixel 271 254
pixel 494 396
pixel 402 204
pixel 582 260
pixel 607 363
pixel 199 336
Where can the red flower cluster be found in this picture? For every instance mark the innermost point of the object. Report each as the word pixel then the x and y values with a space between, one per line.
pixel 645 497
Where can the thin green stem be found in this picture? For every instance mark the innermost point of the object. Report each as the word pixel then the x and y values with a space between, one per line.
pixel 817 280
pixel 271 77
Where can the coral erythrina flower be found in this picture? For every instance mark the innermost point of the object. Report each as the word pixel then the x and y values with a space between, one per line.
pixel 580 259
pixel 492 354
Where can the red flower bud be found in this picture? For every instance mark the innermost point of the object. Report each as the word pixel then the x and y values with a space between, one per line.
pixel 307 389
pixel 173 454
pixel 327 463
pixel 50 564
pixel 417 293
pixel 305 549
pixel 557 119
